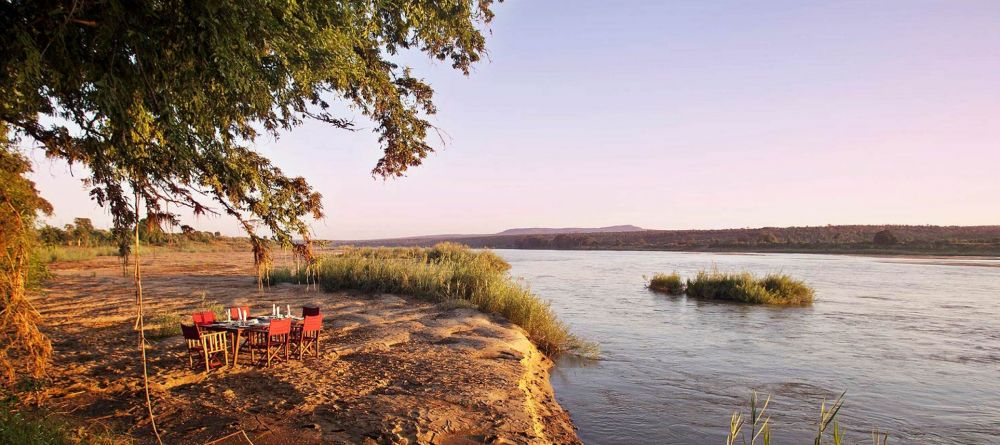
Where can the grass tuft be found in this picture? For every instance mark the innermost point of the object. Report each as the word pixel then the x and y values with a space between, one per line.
pixel 671 284
pixel 747 288
pixel 164 326
pixel 31 428
pixel 448 273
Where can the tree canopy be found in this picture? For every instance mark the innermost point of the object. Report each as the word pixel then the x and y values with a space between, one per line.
pixel 163 100
pixel 166 98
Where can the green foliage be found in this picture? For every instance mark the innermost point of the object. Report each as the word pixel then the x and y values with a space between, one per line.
pixel 167 99
pixel 23 348
pixel 22 428
pixel 16 428
pixel 745 287
pixel 671 284
pixel 167 325
pixel 211 305
pixel 444 274
pixel 70 254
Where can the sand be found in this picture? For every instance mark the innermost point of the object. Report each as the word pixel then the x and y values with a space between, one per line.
pixel 391 370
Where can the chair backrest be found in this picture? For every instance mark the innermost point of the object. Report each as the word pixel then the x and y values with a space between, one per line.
pixel 312 323
pixel 214 342
pixel 190 332
pixel 203 318
pixel 310 310
pixel 234 312
pixel 278 327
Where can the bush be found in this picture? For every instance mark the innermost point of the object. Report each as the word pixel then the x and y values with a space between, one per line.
pixel 745 287
pixel 670 284
pixel 164 326
pixel 443 274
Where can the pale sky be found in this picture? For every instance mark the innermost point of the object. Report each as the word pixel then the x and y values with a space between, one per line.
pixel 676 115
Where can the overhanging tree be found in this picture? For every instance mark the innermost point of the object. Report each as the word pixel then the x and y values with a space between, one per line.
pixel 165 99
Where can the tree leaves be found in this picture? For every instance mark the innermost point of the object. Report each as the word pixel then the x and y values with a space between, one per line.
pixel 168 97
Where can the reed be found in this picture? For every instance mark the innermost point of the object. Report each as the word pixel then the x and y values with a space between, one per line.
pixel 671 284
pixel 447 273
pixel 747 288
pixel 756 429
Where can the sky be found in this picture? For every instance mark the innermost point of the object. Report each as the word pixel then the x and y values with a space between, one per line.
pixel 674 115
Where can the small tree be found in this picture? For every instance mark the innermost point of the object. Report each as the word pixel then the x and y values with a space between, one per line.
pixel 885 238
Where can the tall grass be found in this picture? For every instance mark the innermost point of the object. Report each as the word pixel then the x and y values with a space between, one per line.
pixel 447 273
pixel 747 288
pixel 52 254
pixel 667 283
pixel 828 431
pixel 165 326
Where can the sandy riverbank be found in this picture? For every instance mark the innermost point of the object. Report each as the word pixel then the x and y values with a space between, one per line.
pixel 392 369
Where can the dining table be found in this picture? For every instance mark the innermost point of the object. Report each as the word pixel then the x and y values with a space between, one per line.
pixel 236 328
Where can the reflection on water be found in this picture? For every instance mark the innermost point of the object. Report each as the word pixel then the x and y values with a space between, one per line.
pixel 915 344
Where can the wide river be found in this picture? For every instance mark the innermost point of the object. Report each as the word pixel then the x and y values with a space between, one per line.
pixel 915 343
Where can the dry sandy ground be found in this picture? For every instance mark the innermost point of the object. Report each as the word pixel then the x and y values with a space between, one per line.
pixel 391 369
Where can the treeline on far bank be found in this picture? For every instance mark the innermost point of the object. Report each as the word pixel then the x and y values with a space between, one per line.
pixel 880 239
pixel 82 233
pixel 82 241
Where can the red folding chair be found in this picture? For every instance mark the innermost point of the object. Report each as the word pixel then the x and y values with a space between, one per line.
pixel 305 336
pixel 203 318
pixel 234 312
pixel 270 341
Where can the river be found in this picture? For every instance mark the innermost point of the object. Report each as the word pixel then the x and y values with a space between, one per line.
pixel 914 342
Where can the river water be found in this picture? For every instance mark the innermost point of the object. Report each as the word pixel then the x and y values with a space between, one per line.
pixel 915 343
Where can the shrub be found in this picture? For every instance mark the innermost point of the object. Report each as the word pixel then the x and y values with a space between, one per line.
pixel 670 284
pixel 745 287
pixel 443 274
pixel 885 238
pixel 163 326
pixel 211 305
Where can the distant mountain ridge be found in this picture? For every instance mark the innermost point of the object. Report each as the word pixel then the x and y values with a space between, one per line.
pixel 863 239
pixel 553 231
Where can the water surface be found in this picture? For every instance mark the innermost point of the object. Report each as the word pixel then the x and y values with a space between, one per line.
pixel 915 343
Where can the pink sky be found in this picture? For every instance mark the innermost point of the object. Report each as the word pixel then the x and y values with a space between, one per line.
pixel 687 115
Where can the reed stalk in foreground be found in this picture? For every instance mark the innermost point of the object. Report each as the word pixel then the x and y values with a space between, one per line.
pixel 447 273
pixel 760 428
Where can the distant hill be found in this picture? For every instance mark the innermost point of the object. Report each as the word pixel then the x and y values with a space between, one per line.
pixel 550 231
pixel 863 239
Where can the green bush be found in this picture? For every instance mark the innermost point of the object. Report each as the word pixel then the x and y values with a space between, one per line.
pixel 441 274
pixel 164 326
pixel 671 284
pixel 745 287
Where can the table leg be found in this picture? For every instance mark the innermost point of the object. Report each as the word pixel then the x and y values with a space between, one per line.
pixel 236 347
